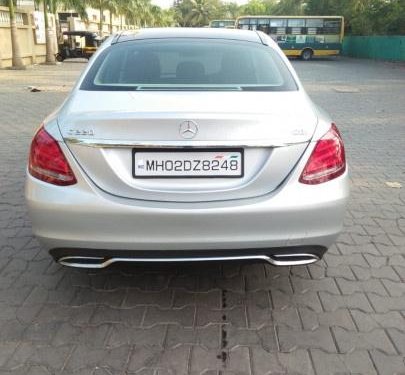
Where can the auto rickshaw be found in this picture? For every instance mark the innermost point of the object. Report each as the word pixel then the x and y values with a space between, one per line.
pixel 78 44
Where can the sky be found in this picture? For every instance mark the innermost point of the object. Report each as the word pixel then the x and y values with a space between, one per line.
pixel 168 3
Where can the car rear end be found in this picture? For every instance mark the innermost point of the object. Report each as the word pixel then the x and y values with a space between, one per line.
pixel 187 148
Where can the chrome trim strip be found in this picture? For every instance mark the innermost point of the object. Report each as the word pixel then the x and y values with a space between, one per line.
pixel 174 144
pixel 275 260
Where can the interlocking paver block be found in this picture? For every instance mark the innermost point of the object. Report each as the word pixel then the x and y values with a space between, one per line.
pixel 348 341
pixel 282 300
pixel 183 316
pixel 386 304
pixel 367 322
pixel 320 338
pixel 236 316
pixel 354 301
pixel 264 337
pixel 371 286
pixel 136 297
pixel 388 364
pixel 358 362
pixel 128 316
pixel 397 336
pixel 296 362
pixel 123 335
pixel 113 359
pixel 338 318
pixel 385 272
pixel 174 361
pixel 208 337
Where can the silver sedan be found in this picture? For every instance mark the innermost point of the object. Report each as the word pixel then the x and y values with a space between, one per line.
pixel 187 145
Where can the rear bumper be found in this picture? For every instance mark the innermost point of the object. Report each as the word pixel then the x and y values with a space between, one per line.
pixel 84 217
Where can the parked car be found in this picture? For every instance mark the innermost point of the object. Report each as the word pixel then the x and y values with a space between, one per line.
pixel 187 145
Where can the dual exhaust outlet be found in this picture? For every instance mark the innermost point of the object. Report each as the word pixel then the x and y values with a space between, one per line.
pixel 95 262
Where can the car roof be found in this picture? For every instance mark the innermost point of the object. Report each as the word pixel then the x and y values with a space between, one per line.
pixel 187 32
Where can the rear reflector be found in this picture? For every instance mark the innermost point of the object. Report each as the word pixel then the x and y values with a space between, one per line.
pixel 327 160
pixel 47 161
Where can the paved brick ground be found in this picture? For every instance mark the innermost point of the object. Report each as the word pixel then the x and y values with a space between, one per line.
pixel 345 314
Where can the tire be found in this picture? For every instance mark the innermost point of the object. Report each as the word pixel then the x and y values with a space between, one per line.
pixel 59 57
pixel 307 54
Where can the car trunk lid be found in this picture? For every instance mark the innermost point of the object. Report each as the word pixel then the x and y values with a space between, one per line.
pixel 102 129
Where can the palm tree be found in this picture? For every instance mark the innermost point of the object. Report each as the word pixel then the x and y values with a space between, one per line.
pixel 201 11
pixel 17 62
pixel 50 54
pixel 101 5
pixel 113 8
pixel 78 6
pixel 162 17
pixel 138 13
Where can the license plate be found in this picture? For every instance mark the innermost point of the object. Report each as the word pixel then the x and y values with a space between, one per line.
pixel 187 163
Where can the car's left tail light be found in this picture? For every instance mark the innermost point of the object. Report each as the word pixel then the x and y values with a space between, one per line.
pixel 327 161
pixel 47 161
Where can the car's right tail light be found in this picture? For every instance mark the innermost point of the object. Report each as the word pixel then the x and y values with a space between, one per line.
pixel 327 160
pixel 47 161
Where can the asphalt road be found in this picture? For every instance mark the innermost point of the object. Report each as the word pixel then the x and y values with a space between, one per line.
pixel 345 314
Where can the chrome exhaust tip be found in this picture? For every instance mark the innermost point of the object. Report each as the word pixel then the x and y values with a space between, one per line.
pixel 292 259
pixel 82 262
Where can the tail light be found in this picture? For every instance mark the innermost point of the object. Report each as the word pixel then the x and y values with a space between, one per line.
pixel 327 160
pixel 47 162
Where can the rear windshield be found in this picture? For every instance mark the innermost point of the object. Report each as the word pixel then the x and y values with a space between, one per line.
pixel 189 64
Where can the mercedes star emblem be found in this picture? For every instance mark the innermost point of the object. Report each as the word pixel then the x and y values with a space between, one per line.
pixel 188 129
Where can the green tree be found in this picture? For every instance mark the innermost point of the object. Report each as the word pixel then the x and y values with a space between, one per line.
pixel 228 11
pixel 364 17
pixel 162 17
pixel 140 12
pixel 289 7
pixel 16 59
pixel 202 11
pixel 182 9
pixel 253 8
pixel 322 7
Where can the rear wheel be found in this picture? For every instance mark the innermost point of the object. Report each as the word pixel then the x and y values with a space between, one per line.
pixel 59 57
pixel 307 54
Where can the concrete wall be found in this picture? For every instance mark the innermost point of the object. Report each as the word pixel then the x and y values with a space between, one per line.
pixel 383 47
pixel 32 53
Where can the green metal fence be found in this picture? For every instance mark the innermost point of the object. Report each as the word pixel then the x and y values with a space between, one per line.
pixel 375 47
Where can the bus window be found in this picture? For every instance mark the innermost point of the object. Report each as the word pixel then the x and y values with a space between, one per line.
pixel 331 26
pixel 314 22
pixel 296 22
pixel 263 25
pixel 278 22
